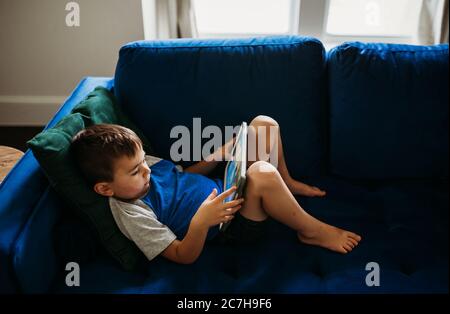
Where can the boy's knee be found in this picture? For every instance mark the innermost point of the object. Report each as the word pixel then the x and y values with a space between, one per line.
pixel 262 173
pixel 263 120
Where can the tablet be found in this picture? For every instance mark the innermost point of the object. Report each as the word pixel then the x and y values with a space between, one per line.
pixel 236 168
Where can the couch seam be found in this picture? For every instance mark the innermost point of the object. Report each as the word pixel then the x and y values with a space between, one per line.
pixel 220 46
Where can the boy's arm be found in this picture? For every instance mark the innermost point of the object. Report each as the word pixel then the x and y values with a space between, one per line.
pixel 211 212
pixel 188 250
pixel 206 166
pixel 202 167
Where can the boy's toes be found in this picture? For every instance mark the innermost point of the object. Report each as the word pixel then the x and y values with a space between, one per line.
pixel 354 236
pixel 353 241
pixel 351 244
pixel 347 248
pixel 318 192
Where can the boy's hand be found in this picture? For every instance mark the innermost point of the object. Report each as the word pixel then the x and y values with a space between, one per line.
pixel 214 211
pixel 227 148
pixel 223 153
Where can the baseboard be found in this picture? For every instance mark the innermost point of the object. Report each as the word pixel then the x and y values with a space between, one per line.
pixel 28 110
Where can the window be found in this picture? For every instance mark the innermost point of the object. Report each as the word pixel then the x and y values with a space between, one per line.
pixel 238 18
pixel 382 18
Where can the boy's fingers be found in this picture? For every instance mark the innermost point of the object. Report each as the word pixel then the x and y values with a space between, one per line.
pixel 318 189
pixel 213 194
pixel 233 203
pixel 232 209
pixel 226 193
pixel 228 217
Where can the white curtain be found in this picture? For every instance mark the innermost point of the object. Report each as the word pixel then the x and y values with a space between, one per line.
pixel 164 19
pixel 433 22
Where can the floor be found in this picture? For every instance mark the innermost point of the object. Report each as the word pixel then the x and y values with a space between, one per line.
pixel 18 136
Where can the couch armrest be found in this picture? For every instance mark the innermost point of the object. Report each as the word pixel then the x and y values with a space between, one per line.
pixel 23 187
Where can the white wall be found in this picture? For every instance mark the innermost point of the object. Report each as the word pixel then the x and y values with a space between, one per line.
pixel 42 59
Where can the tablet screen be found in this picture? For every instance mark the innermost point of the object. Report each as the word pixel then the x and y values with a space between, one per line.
pixel 236 167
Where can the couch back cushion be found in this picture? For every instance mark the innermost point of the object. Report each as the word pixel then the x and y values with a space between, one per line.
pixel 388 111
pixel 163 84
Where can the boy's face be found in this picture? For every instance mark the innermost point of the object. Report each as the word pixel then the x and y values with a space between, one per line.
pixel 131 178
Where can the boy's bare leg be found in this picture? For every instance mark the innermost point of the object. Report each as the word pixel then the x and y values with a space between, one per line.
pixel 296 187
pixel 267 195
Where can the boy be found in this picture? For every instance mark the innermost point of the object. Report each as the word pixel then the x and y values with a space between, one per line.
pixel 171 212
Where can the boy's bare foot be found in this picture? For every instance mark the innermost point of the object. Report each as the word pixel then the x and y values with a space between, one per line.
pixel 299 188
pixel 331 238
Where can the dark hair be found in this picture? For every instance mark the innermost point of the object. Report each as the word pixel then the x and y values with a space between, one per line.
pixel 97 147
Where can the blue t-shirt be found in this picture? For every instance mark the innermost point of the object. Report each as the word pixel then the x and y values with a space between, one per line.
pixel 175 196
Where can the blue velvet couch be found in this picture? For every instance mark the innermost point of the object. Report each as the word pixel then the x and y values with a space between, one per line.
pixel 366 122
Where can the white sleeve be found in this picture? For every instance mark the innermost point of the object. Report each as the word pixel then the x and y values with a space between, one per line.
pixel 151 160
pixel 142 227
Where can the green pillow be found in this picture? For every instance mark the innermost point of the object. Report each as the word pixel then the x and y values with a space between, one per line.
pixel 101 107
pixel 52 150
